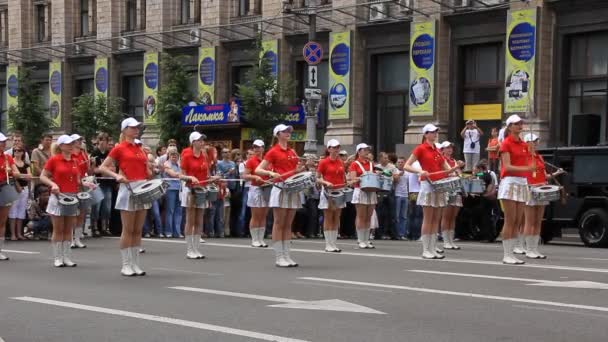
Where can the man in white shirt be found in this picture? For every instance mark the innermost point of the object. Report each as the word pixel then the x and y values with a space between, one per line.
pixel 401 179
pixel 18 142
pixel 414 213
pixel 471 149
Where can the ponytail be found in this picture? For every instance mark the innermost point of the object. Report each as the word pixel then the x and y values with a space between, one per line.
pixel 122 138
pixel 55 149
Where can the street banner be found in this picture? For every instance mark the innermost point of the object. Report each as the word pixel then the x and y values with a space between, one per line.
pixel 520 60
pixel 150 86
pixel 227 113
pixel 55 90
pixel 339 75
pixel 270 52
pixel 206 75
pixel 101 76
pixel 422 68
pixel 12 87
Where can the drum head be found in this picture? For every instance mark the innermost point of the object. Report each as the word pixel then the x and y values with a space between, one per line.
pixel 67 200
pixel 335 193
pixel 212 188
pixel 83 196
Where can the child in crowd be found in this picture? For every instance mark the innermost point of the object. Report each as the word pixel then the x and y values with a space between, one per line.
pixel 39 225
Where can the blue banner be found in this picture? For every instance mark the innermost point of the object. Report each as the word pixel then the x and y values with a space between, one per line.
pixel 228 113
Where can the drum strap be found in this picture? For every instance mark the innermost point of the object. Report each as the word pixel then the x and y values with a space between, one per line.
pixel 371 167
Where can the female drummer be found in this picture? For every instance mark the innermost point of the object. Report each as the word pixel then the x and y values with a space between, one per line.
pixel 195 171
pixel 284 162
pixel 330 173
pixel 82 161
pixel 364 201
pixel 433 168
pixel 133 170
pixel 449 213
pixel 7 165
pixel 255 198
pixel 513 188
pixel 62 175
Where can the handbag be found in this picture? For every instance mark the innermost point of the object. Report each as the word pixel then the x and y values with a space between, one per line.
pixel 472 145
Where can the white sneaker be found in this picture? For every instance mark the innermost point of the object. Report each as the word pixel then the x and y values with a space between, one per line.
pixel 3 257
pixel 362 245
pixel 428 255
pixel 256 244
pixel 202 240
pixel 532 255
pixel 511 260
pixel 280 260
pixel 518 250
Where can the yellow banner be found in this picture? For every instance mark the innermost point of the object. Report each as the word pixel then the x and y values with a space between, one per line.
pixel 102 76
pixel 151 72
pixel 520 60
pixel 270 52
pixel 483 112
pixel 339 75
pixel 422 68
pixel 55 90
pixel 206 75
pixel 12 87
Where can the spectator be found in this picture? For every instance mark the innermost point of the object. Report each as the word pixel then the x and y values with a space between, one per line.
pixel 245 213
pixel 39 225
pixel 102 212
pixel 161 159
pixel 493 147
pixel 401 179
pixel 173 209
pixel 386 201
pixel 41 154
pixel 486 204
pixel 18 142
pixel 16 214
pixel 154 213
pixel 471 149
pixel 241 194
pixel 226 168
pixel 215 213
pixel 311 204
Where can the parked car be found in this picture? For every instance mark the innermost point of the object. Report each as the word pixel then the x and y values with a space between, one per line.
pixel 586 184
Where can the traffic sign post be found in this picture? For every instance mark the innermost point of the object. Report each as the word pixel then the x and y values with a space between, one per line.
pixel 312 76
pixel 313 53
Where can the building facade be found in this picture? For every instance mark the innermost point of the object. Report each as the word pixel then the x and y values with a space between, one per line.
pixel 371 47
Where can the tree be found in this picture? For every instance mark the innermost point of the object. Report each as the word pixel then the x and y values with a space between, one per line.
pixel 91 116
pixel 261 96
pixel 172 97
pixel 30 116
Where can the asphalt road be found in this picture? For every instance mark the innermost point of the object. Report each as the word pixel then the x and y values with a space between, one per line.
pixel 237 294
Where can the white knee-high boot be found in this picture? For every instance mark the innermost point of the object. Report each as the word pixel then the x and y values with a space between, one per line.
pixel 190 247
pixel 278 251
pixel 286 249
pixel 434 249
pixel 67 254
pixel 254 237
pixel 76 243
pixel 261 233
pixel 196 246
pixel 2 256
pixel 518 245
pixel 508 257
pixel 135 261
pixel 426 247
pixel 334 240
pixel 57 253
pixel 126 270
pixel 361 238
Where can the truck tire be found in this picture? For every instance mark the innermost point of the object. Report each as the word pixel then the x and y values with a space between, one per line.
pixel 593 227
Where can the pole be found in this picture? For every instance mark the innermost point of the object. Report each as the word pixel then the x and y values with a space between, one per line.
pixel 311 113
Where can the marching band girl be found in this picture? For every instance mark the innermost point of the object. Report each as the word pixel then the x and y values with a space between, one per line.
pixel 449 213
pixel 331 174
pixel 82 161
pixel 364 201
pixel 255 198
pixel 7 166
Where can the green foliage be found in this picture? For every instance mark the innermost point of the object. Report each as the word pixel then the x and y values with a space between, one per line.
pixel 261 97
pixel 172 97
pixel 31 115
pixel 91 116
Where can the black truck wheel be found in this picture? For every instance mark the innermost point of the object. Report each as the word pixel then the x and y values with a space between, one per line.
pixel 593 228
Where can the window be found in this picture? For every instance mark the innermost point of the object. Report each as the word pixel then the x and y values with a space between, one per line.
pixel 131 15
pixel 84 17
pixel 85 86
pixel 42 11
pixel 133 93
pixel 587 100
pixel 185 11
pixel 483 73
pixel 242 7
pixel 239 76
pixel 4 26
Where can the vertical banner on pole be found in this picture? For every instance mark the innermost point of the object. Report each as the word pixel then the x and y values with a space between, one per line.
pixel 270 52
pixel 520 61
pixel 206 75
pixel 339 75
pixel 101 76
pixel 55 90
pixel 150 86
pixel 12 88
pixel 422 68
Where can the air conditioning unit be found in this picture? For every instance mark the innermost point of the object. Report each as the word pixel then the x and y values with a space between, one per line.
pixel 195 36
pixel 406 6
pixel 125 43
pixel 462 3
pixel 378 12
pixel 78 49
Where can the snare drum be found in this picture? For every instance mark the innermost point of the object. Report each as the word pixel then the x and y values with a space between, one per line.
pixel 299 182
pixel 336 198
pixel 450 184
pixel 148 192
pixel 68 205
pixel 348 194
pixel 85 200
pixel 199 196
pixel 546 193
pixel 212 193
pixel 370 182
pixel 8 195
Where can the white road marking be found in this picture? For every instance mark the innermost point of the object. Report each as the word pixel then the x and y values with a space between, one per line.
pixel 595 259
pixel 558 310
pixel 536 282
pixel 161 319
pixel 19 252
pixel 404 257
pixel 186 271
pixel 326 305
pixel 461 294
pixel 342 287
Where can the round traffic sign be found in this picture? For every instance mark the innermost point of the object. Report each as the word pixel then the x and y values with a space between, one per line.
pixel 313 53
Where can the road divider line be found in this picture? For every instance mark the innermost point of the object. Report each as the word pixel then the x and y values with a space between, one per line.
pixel 19 252
pixel 403 257
pixel 461 294
pixel 186 271
pixel 236 294
pixel 161 319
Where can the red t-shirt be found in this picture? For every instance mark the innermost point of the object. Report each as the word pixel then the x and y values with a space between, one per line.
pixel 492 143
pixel 430 160
pixel 5 159
pixel 131 159
pixel 82 160
pixel 64 173
pixel 332 170
pixel 518 151
pixel 283 161
pixel 367 167
pixel 195 166
pixel 186 151
pixel 540 172
pixel 251 164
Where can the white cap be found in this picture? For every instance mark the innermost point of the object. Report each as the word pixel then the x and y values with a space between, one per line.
pixel 513 119
pixel 137 142
pixel 470 121
pixel 429 128
pixel 194 136
pixel 438 145
pixel 3 137
pixel 530 137
pixel 361 146
pixel 280 128
pixel 129 122
pixel 64 139
pixel 258 143
pixel 343 153
pixel 446 144
pixel 333 143
pixel 75 137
